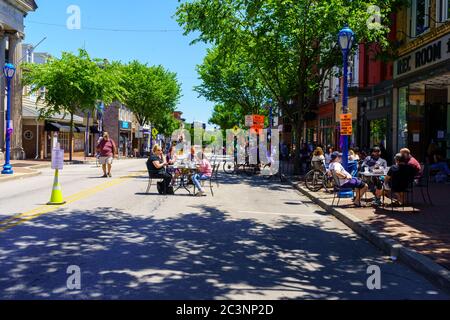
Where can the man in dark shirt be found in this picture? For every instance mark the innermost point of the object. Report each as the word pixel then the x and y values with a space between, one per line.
pixel 400 176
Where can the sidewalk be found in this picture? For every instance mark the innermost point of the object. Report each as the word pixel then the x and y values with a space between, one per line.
pixel 425 231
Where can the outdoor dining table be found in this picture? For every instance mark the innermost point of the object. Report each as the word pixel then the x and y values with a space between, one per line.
pixel 368 175
pixel 186 171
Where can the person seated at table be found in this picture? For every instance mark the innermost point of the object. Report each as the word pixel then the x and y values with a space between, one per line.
pixel 374 161
pixel 171 159
pixel 205 172
pixel 192 155
pixel 156 166
pixel 412 162
pixel 399 177
pixel 346 181
pixel 328 155
pixel 352 155
pixel 318 156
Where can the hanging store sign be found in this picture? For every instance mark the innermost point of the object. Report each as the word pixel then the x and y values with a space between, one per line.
pixel 428 55
pixel 124 125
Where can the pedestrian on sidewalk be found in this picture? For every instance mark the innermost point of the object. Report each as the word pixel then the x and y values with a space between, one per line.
pixel 107 150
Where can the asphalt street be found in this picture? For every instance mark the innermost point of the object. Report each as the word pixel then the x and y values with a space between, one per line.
pixel 253 240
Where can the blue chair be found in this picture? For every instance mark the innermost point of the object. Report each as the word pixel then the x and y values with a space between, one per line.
pixel 353 168
pixel 339 192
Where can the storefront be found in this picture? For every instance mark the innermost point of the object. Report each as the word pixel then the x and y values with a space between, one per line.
pixel 38 134
pixel 326 123
pixel 422 86
pixel 375 119
pixel 125 144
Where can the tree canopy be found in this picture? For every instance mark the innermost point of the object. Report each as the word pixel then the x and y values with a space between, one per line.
pixel 291 44
pixel 73 83
pixel 231 81
pixel 152 93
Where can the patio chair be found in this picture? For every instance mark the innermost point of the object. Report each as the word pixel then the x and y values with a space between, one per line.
pixel 423 182
pixel 212 179
pixel 152 176
pixel 336 189
pixel 408 194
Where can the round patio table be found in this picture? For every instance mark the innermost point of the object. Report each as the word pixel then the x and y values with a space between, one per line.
pixel 186 171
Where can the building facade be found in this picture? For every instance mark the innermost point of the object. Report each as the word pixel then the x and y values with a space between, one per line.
pixel 12 13
pixel 421 85
pixel 120 123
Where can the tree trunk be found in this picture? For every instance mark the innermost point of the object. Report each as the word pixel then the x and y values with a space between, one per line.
pixel 71 138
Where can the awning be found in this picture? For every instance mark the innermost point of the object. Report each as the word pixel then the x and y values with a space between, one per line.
pixel 56 127
pixel 94 129
pixel 80 129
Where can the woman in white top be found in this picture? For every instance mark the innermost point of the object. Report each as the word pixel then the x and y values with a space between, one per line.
pixel 318 156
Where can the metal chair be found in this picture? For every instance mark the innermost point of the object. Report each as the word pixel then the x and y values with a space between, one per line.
pixel 214 176
pixel 336 188
pixel 150 180
pixel 423 182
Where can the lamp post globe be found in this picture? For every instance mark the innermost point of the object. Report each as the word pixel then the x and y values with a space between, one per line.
pixel 9 71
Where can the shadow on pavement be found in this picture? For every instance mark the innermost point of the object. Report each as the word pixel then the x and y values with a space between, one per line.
pixel 202 255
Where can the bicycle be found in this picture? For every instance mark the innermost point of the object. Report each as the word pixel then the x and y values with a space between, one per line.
pixel 317 178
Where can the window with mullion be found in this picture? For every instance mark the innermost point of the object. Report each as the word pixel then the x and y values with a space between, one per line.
pixel 419 13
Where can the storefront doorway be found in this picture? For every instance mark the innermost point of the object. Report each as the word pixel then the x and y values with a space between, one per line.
pixel 424 120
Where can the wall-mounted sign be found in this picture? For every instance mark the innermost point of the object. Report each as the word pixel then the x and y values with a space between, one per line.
pixel 28 135
pixel 428 55
pixel 124 125
pixel 346 124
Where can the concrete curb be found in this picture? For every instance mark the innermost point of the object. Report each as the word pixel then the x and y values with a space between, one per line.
pixel 22 176
pixel 437 274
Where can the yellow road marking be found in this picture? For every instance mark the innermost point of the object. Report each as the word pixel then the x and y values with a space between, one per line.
pixel 37 212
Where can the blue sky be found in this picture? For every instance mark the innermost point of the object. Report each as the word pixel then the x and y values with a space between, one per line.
pixel 171 49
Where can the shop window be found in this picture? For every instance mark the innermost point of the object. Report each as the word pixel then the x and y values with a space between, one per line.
pixel 402 120
pixel 378 129
pixel 419 13
pixel 442 10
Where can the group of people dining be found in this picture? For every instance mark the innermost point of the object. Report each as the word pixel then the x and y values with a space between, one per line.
pixel 396 179
pixel 164 167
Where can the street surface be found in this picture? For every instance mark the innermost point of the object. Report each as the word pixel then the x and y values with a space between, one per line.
pixel 254 240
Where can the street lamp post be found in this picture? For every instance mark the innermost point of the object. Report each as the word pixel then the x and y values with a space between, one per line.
pixel 269 132
pixel 346 39
pixel 8 71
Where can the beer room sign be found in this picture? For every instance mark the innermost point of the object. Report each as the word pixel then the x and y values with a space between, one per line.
pixel 428 55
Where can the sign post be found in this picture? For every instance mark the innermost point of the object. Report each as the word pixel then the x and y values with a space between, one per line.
pixel 57 164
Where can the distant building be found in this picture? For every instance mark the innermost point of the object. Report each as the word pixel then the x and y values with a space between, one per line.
pixel 12 13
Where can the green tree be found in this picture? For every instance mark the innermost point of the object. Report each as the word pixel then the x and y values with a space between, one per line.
pixel 230 80
pixel 291 43
pixel 152 94
pixel 73 83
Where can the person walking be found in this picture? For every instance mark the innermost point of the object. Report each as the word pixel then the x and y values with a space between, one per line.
pixel 107 150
